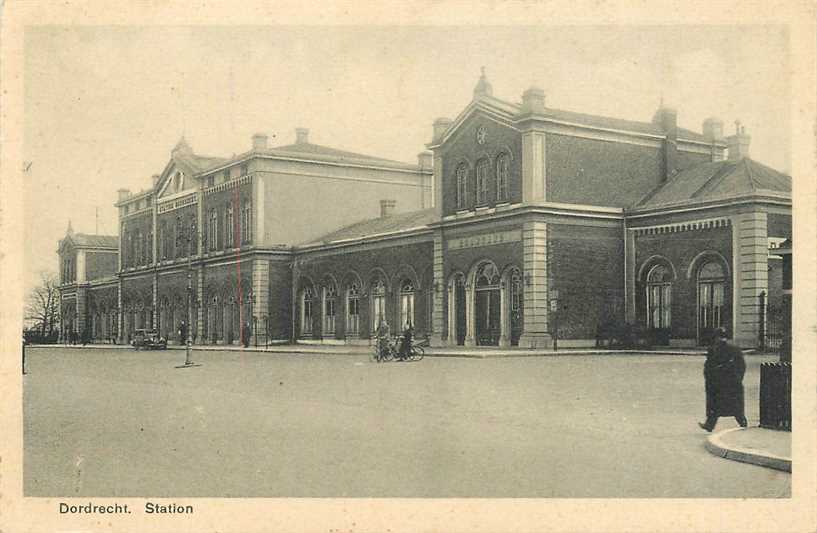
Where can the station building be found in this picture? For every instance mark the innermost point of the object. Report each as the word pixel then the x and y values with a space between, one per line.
pixel 524 222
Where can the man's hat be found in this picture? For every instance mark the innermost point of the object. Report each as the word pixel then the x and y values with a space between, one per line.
pixel 720 333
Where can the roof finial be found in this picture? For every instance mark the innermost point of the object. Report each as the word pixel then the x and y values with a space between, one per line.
pixel 483 86
pixel 737 126
pixel 70 230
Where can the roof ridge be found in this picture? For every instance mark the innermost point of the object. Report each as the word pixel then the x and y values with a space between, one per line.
pixel 750 174
pixel 713 180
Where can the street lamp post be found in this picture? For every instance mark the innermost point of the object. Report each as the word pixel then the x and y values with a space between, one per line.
pixel 191 238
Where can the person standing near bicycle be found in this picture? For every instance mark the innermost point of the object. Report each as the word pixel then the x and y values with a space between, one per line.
pixel 383 336
pixel 405 344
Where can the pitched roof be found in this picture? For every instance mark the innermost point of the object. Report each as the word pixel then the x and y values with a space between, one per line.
pixel 597 121
pixel 378 226
pixel 325 153
pixel 96 241
pixel 719 179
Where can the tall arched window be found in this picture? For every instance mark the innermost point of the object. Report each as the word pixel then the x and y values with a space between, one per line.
pixel 406 303
pixel 137 254
pixel 330 294
pixel 353 309
pixel 659 297
pixel 212 229
pixel 710 296
pixel 229 230
pixel 502 163
pixel 306 311
pixel 246 221
pixel 483 169
pixel 378 297
pixel 462 186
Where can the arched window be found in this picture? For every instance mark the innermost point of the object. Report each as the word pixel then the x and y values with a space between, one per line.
pixel 137 253
pixel 483 169
pixel 406 303
pixel 228 226
pixel 306 311
pixel 710 296
pixel 353 309
pixel 659 297
pixel 212 229
pixel 516 291
pixel 246 221
pixel 180 237
pixel 378 297
pixel 487 276
pixel 462 186
pixel 330 294
pixel 502 163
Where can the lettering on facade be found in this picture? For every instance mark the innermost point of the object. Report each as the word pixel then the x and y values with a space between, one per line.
pixel 484 239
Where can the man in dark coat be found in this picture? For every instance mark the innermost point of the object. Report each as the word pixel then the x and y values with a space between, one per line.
pixel 723 374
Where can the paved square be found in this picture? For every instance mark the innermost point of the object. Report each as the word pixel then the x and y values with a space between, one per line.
pixel 112 422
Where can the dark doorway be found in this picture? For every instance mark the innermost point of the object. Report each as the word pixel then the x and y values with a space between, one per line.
pixel 487 314
pixel 459 306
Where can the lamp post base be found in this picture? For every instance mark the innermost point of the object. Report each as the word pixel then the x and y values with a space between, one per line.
pixel 189 365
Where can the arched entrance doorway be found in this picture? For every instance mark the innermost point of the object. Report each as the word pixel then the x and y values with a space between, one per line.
pixel 488 305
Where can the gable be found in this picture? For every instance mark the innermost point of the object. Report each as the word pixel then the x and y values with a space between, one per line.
pixel 175 179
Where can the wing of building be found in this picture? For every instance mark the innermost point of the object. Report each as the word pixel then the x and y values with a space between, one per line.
pixel 523 222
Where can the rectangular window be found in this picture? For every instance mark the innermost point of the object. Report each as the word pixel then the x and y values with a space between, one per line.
pixel 227 175
pixel 244 169
pixel 211 181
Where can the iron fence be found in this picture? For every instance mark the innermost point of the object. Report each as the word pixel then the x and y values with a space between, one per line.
pixel 775 396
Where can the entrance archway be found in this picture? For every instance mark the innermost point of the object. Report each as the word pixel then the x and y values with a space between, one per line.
pixel 487 305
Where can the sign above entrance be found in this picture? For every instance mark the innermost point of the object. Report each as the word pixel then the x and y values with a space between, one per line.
pixel 485 239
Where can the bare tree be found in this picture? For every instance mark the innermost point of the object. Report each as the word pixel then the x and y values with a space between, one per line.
pixel 43 304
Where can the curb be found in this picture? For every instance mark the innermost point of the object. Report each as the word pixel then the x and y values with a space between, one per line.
pixel 716 446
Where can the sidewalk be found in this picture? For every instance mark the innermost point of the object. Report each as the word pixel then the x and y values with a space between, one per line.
pixel 755 445
pixel 476 352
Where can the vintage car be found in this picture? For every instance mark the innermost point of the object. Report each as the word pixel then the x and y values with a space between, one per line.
pixel 149 339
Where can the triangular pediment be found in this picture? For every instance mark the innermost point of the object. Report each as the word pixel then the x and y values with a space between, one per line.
pixel 176 178
pixel 486 107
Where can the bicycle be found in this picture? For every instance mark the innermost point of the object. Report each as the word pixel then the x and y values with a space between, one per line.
pixel 384 351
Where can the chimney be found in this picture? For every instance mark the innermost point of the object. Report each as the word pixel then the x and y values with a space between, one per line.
pixel 738 143
pixel 122 194
pixel 387 208
pixel 441 125
pixel 301 136
pixel 713 129
pixel 155 179
pixel 259 141
pixel 667 119
pixel 425 160
pixel 533 101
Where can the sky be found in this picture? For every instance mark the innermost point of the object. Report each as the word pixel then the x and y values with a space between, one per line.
pixel 104 105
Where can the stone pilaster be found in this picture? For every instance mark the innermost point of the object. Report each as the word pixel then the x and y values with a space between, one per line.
pixel 629 276
pixel 201 309
pixel 534 251
pixel 154 324
pixel 120 316
pixel 437 183
pixel 749 275
pixel 438 290
pixel 533 167
pixel 82 309
pixel 260 294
